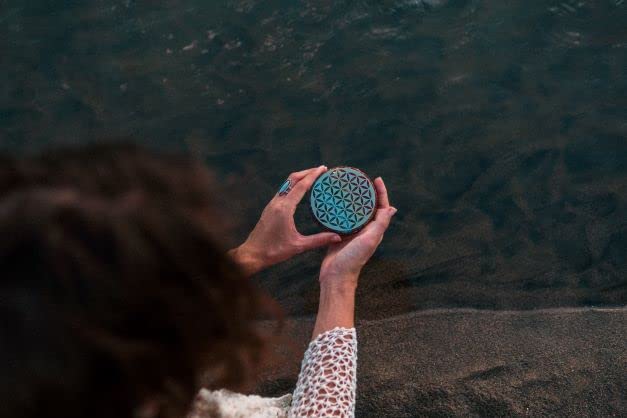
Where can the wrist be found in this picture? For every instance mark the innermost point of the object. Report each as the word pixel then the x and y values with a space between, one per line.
pixel 344 284
pixel 250 261
pixel 336 308
pixel 337 292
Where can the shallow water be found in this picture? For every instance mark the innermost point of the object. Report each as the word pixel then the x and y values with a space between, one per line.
pixel 499 126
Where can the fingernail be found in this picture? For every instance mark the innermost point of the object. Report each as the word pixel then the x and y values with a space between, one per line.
pixel 337 238
pixel 323 166
pixel 394 210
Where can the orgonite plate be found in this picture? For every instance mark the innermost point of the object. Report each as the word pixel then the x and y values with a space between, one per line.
pixel 343 200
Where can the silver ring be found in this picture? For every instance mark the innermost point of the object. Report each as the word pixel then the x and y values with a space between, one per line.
pixel 285 188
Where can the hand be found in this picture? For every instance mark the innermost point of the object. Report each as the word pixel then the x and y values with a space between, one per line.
pixel 344 261
pixel 275 237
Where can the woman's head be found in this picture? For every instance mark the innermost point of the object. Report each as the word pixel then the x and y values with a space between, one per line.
pixel 114 294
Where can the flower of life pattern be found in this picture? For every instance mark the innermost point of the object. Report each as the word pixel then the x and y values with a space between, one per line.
pixel 343 199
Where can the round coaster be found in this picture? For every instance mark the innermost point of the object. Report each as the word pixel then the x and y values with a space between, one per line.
pixel 343 200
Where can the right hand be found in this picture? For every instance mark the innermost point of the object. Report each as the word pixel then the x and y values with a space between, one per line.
pixel 344 261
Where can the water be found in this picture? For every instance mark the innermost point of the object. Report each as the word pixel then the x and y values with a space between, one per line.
pixel 500 127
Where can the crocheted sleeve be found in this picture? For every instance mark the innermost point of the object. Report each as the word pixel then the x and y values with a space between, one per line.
pixel 328 377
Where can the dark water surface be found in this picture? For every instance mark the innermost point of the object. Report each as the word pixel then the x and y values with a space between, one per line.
pixel 499 126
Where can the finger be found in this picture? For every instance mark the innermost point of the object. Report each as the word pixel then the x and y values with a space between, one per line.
pixel 299 175
pixel 382 220
pixel 295 178
pixel 320 240
pixel 382 193
pixel 299 190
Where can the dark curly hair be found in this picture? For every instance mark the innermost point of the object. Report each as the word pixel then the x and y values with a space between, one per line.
pixel 115 297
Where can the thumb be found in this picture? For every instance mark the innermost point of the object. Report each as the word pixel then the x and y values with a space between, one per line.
pixel 320 240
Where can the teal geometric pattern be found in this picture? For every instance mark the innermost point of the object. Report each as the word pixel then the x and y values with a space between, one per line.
pixel 343 200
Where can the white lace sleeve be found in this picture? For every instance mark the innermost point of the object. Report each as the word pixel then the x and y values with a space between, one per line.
pixel 328 377
pixel 226 404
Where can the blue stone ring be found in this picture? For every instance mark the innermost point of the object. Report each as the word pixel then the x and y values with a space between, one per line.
pixel 285 188
pixel 343 200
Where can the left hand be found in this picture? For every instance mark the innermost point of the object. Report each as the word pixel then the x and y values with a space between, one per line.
pixel 275 237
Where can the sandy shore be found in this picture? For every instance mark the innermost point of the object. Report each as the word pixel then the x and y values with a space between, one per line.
pixel 555 362
pixel 497 126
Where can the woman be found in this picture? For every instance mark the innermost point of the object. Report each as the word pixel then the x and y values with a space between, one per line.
pixel 117 300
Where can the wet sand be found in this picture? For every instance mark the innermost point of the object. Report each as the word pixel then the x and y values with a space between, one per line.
pixel 499 128
pixel 554 362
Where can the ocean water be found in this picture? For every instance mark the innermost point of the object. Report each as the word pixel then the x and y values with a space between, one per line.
pixel 500 127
